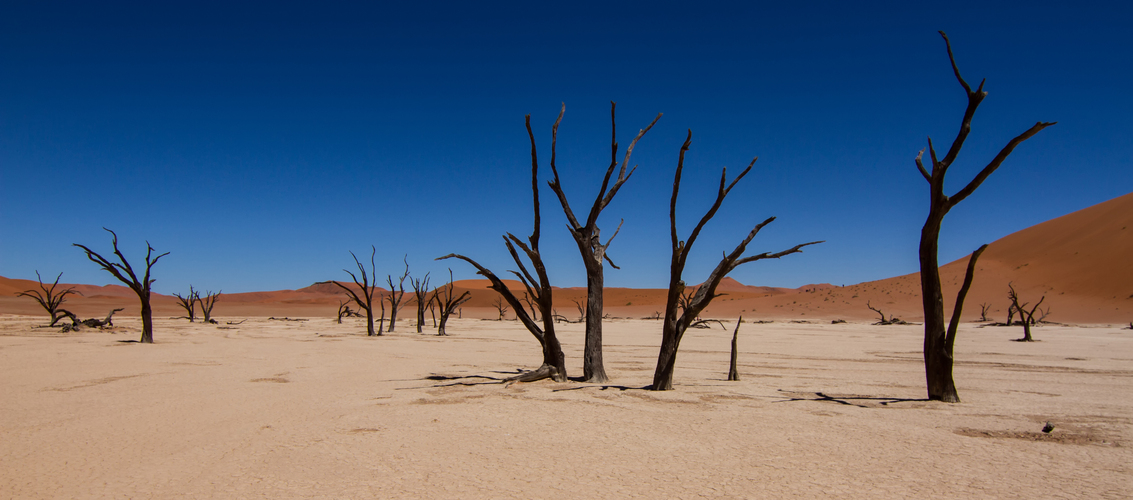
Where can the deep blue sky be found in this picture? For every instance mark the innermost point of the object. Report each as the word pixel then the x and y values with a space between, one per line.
pixel 260 143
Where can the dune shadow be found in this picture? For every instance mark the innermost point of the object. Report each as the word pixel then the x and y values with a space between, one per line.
pixel 849 400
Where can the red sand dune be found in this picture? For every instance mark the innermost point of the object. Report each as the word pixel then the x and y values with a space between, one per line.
pixel 1079 262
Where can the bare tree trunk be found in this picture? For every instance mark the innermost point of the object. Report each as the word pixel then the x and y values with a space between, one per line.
pixel 49 300
pixel 588 237
pixel 674 326
pixel 396 293
pixel 937 347
pixel 420 293
pixel 141 287
pixel 1025 317
pixel 554 363
pixel 189 304
pixel 366 300
pixel 733 373
pixel 207 304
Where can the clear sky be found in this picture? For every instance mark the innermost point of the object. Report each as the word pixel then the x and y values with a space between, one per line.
pixel 260 143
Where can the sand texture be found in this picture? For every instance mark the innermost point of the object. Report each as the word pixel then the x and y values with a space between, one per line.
pixel 300 409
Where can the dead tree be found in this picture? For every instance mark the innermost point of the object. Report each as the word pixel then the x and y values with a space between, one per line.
pixel 501 308
pixel 1010 314
pixel 396 293
pixel 49 299
pixel 189 304
pixel 675 325
pixel 581 311
pixel 534 310
pixel 537 286
pixel 938 342
pixel 366 299
pixel 344 310
pixel 1043 313
pixel 1026 317
pixel 207 302
pixel 587 236
pixel 733 373
pixel 984 308
pixel 122 271
pixel 447 303
pixel 421 295
pixel 893 320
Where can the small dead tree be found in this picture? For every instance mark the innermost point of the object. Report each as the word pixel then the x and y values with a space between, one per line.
pixel 1010 314
pixel 984 309
pixel 122 271
pixel 396 293
pixel 207 302
pixel 675 325
pixel 421 295
pixel 893 320
pixel 1043 313
pixel 733 372
pixel 1026 317
pixel 366 299
pixel 501 308
pixel 938 342
pixel 49 299
pixel 189 304
pixel 447 302
pixel 588 237
pixel 554 363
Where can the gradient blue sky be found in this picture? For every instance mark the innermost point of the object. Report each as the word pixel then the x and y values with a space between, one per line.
pixel 259 143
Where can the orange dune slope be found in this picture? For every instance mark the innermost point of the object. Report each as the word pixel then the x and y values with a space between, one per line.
pixel 1082 263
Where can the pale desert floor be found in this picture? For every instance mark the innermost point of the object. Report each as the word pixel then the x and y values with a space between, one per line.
pixel 271 409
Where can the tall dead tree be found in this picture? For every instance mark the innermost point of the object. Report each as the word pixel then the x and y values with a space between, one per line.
pixel 189 304
pixel 207 302
pixel 1025 316
pixel 678 317
pixel 587 236
pixel 421 295
pixel 537 286
pixel 447 303
pixel 938 342
pixel 49 299
pixel 366 299
pixel 396 293
pixel 122 271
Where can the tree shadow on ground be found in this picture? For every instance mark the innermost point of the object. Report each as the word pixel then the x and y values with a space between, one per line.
pixel 601 387
pixel 852 399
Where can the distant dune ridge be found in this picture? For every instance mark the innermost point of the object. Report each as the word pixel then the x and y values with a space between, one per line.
pixel 1081 262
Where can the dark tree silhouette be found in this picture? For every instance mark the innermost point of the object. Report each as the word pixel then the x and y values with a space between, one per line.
pixel 207 302
pixel 122 271
pixel 554 363
pixel 421 295
pixel 1026 317
pixel 49 299
pixel 733 372
pixel 447 303
pixel 984 309
pixel 679 314
pixel 396 293
pixel 501 306
pixel 189 304
pixel 938 342
pixel 366 299
pixel 588 237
